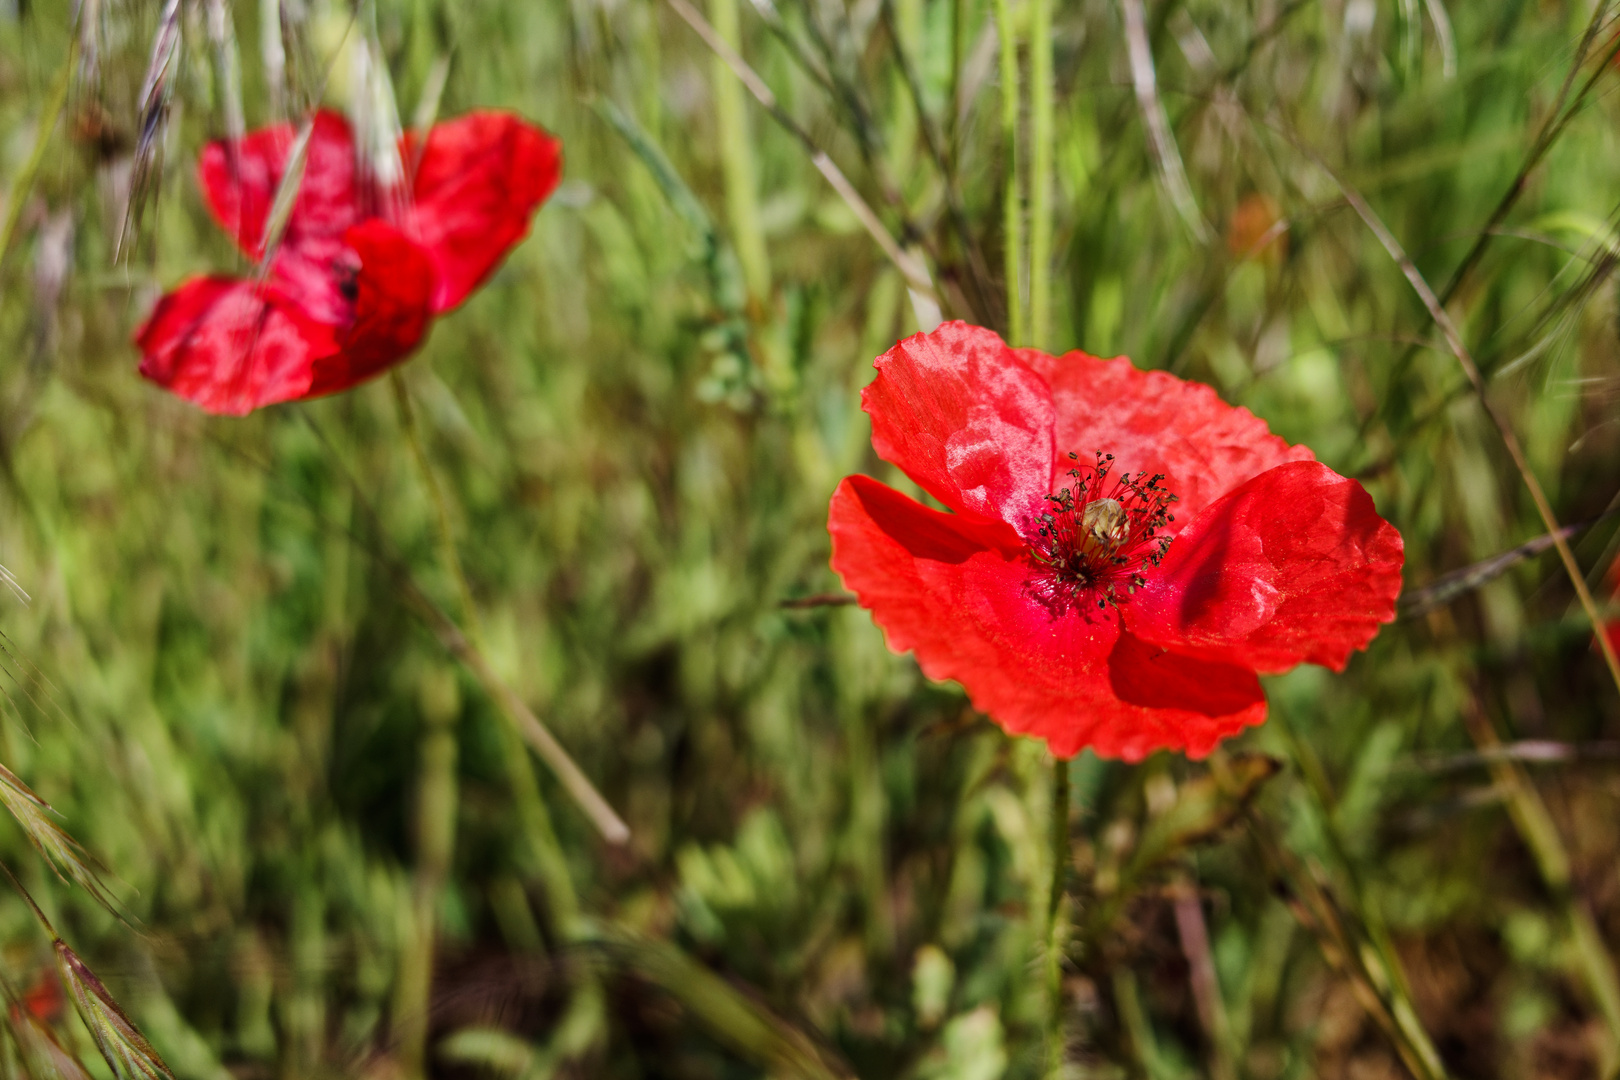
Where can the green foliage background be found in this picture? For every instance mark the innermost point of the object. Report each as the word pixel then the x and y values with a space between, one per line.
pixel 837 868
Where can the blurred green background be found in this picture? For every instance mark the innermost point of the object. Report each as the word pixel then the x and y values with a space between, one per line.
pixel 338 858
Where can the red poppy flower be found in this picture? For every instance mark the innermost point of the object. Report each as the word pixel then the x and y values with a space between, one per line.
pixel 1124 552
pixel 362 266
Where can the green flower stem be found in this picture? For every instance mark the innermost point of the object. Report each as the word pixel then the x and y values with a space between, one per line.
pixel 737 159
pixel 437 799
pixel 1041 137
pixel 47 123
pixel 1057 919
pixel 1012 208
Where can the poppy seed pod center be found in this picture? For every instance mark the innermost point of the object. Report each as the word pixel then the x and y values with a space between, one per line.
pixel 1098 533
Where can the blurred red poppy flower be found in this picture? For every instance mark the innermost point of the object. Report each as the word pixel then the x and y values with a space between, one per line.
pixel 362 265
pixel 1124 552
pixel 44 999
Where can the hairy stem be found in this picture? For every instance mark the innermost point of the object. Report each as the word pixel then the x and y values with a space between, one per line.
pixel 1057 918
pixel 1012 205
pixel 1041 137
pixel 737 160
pixel 25 176
pixel 436 795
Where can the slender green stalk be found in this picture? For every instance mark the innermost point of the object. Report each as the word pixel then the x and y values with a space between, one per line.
pixel 1041 136
pixel 737 159
pixel 441 506
pixel 436 794
pixel 1134 1018
pixel 1012 206
pixel 953 107
pixel 303 1008
pixel 1057 918
pixel 437 800
pixel 25 177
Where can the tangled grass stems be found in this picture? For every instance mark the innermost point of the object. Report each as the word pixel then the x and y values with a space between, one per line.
pixel 1510 440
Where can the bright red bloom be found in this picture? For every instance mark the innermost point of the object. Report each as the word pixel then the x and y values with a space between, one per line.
pixel 361 268
pixel 1124 551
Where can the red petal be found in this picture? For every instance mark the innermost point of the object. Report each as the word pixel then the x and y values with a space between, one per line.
pixel 231 346
pixel 1153 422
pixel 967 420
pixel 1295 565
pixel 478 182
pixel 240 186
pixel 958 593
pixel 393 294
pixel 1171 701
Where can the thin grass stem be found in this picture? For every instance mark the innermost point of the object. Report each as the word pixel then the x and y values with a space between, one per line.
pixel 1057 919
pixel 1161 140
pixel 737 159
pixel 1012 181
pixel 437 800
pixel 36 156
pixel 940 150
pixel 1042 135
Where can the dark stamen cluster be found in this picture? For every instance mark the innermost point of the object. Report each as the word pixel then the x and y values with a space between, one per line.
pixel 1098 533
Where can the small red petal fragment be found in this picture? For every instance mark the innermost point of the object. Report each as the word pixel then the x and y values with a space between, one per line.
pixel 959 593
pixel 393 293
pixel 965 418
pixel 478 181
pixel 1293 566
pixel 1153 422
pixel 231 346
pixel 239 182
